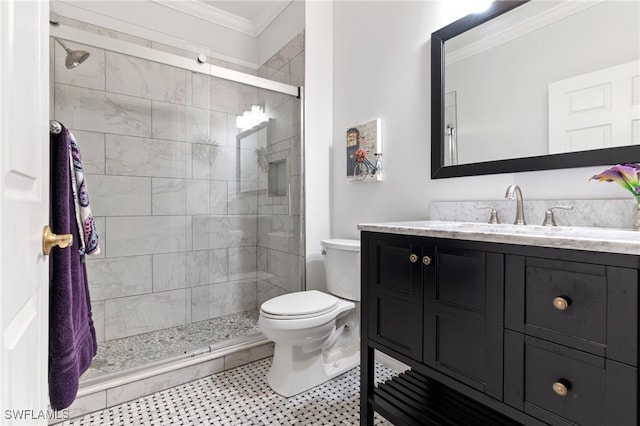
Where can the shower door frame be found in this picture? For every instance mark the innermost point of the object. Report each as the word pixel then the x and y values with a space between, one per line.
pixel 142 52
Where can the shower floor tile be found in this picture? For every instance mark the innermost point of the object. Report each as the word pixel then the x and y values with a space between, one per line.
pixel 134 351
pixel 241 396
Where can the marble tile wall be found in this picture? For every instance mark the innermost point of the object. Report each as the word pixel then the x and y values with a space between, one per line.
pixel 180 243
pixel 613 213
pixel 280 218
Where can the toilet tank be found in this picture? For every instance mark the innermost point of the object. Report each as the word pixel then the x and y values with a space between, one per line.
pixel 342 267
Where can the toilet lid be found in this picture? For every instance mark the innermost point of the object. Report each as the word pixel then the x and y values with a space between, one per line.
pixel 341 244
pixel 305 303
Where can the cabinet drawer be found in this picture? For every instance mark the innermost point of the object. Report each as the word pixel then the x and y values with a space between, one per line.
pixel 550 369
pixel 567 298
pixel 563 386
pixel 589 307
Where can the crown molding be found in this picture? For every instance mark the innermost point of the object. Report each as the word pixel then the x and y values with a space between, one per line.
pixel 510 27
pixel 274 9
pixel 217 16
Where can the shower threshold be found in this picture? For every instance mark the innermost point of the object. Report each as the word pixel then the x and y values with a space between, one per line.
pixel 127 354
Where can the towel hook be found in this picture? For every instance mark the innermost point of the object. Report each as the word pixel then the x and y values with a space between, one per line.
pixel 50 240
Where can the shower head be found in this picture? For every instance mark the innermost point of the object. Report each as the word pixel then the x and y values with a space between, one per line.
pixel 74 57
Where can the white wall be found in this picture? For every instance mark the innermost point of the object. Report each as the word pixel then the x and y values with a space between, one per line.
pixel 318 126
pixel 381 68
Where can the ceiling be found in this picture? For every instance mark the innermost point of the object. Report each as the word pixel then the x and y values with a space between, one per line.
pixel 246 16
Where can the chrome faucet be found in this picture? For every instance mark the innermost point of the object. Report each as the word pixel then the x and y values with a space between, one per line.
pixel 513 191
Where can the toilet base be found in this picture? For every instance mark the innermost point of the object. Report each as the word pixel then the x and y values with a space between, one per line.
pixel 294 371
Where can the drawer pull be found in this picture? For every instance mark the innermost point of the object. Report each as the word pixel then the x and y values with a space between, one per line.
pixel 413 258
pixel 426 260
pixel 561 303
pixel 561 387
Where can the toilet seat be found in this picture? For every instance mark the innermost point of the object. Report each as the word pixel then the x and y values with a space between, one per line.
pixel 299 305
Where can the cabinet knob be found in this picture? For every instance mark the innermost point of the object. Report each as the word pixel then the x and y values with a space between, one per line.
pixel 561 303
pixel 413 258
pixel 561 387
pixel 426 260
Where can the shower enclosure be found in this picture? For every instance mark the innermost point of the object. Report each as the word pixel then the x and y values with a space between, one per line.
pixel 199 221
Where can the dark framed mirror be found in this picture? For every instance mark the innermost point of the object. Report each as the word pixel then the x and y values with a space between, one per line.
pixel 507 85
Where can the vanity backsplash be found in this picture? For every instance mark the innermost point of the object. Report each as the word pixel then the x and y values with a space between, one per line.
pixel 610 213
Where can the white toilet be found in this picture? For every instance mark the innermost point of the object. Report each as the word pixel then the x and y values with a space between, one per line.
pixel 316 335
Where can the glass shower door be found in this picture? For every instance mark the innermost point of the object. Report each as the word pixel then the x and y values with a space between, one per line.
pixel 199 220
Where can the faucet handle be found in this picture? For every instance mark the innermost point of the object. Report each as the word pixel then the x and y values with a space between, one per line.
pixel 549 219
pixel 494 214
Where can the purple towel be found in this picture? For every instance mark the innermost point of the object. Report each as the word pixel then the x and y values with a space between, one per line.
pixel 72 337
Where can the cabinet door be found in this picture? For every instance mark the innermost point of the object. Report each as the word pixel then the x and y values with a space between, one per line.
pixel 394 289
pixel 463 318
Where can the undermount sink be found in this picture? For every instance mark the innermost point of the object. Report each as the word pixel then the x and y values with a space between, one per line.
pixel 537 230
pixel 505 228
pixel 575 237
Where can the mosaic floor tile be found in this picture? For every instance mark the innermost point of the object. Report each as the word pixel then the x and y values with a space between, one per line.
pixel 241 396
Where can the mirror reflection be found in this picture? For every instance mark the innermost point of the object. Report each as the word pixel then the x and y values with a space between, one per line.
pixel 252 163
pixel 546 77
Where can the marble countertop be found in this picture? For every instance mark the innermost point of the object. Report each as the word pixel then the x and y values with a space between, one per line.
pixel 610 240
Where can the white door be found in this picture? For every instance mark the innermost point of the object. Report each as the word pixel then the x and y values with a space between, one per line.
pixel 595 110
pixel 24 210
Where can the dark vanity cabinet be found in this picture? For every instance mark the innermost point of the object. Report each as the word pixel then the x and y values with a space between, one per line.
pixel 396 299
pixel 441 306
pixel 499 333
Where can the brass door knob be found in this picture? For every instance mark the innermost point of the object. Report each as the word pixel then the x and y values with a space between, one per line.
pixel 413 258
pixel 561 303
pixel 426 260
pixel 561 388
pixel 50 240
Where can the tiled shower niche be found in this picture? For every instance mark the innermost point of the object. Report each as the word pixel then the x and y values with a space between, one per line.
pixel 181 240
pixel 278 179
